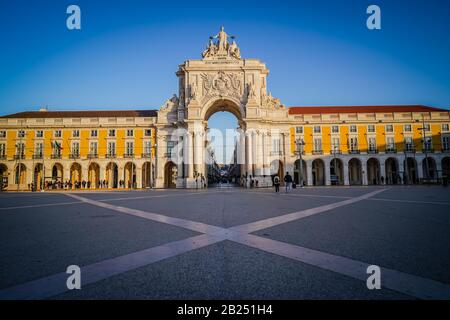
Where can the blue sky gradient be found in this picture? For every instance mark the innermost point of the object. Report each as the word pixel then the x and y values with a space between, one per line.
pixel 319 52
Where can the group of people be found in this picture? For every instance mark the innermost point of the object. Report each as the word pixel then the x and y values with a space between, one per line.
pixel 288 182
pixel 69 185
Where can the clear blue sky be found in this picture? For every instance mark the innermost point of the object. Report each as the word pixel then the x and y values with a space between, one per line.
pixel 319 52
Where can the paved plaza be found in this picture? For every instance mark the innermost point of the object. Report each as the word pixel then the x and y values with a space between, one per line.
pixel 227 243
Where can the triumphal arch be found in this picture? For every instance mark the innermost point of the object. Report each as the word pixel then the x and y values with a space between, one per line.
pixel 222 80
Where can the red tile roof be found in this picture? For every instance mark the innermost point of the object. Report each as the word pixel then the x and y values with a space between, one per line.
pixel 83 114
pixel 363 109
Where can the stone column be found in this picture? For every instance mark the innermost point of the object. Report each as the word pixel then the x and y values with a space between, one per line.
pixel 327 172
pixel 309 179
pixel 249 152
pixel 364 177
pixel 345 169
pixel 138 172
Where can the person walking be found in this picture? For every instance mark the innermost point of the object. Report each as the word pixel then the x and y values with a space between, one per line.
pixel 288 182
pixel 276 183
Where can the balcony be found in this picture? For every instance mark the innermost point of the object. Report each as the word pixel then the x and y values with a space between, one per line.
pixel 37 156
pixel 428 150
pixel 336 151
pixel 110 156
pixel 74 156
pixel 168 154
pixel 19 156
pixel 390 150
pixel 2 156
pixel 372 151
pixel 409 149
pixel 128 155
pixel 56 156
pixel 276 153
pixel 445 150
pixel 92 156
pixel 354 151
pixel 146 155
pixel 317 152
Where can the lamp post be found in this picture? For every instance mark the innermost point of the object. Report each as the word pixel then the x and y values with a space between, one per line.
pixel 300 144
pixel 424 137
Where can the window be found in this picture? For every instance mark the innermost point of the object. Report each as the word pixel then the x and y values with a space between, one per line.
pixel 94 133
pixel 111 148
pixel 170 146
pixel 353 144
pixel 299 130
pixel 353 129
pixel 130 132
pixel 427 144
pixel 390 144
pixel 371 128
pixel 427 127
pixel 2 134
pixel 409 146
pixel 76 133
pixel 335 144
pixel 2 150
pixel 335 129
pixel 20 149
pixel 317 145
pixel 407 128
pixel 445 127
pixel 93 148
pixel 38 149
pixel 372 144
pixel 130 148
pixel 446 143
pixel 39 134
pixel 21 134
pixel 148 132
pixel 276 146
pixel 75 149
pixel 57 133
pixel 147 148
pixel 56 148
pixel 111 133
pixel 317 129
pixel 389 128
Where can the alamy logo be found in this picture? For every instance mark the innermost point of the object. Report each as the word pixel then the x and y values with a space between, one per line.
pixel 73 22
pixel 374 280
pixel 74 280
pixel 374 20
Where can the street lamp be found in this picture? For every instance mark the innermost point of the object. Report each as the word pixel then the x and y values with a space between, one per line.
pixel 300 144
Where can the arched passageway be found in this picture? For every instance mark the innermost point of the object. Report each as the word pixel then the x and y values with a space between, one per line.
pixel 355 172
pixel 297 171
pixel 392 173
pixel 318 172
pixel 373 171
pixel 336 172
pixel 170 175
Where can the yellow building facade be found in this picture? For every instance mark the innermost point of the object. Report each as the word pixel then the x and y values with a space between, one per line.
pixel 347 145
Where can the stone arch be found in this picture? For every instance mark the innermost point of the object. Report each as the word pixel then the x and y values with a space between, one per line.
pixel 170 175
pixel 112 175
pixel 231 105
pixel 429 168
pixel 57 172
pixel 337 171
pixel 297 172
pixel 373 171
pixel 20 174
pixel 148 172
pixel 130 175
pixel 75 173
pixel 93 175
pixel 392 171
pixel 318 172
pixel 411 173
pixel 38 176
pixel 355 172
pixel 277 168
